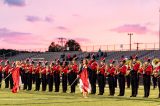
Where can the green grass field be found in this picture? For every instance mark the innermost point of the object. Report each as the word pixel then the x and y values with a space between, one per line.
pixel 33 98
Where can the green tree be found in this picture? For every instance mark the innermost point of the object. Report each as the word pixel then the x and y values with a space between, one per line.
pixel 55 47
pixel 73 45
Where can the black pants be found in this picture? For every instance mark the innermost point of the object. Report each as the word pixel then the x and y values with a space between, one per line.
pixel 64 82
pixel 146 83
pixel 134 83
pixel 128 81
pixel 29 81
pixel 121 80
pixel 101 83
pixel 8 81
pixel 111 82
pixel 11 81
pixel 57 81
pixel 158 79
pixel 0 79
pixel 50 82
pixel 72 76
pixel 154 80
pixel 25 79
pixel 44 82
pixel 93 82
pixel 33 78
pixel 115 81
pixel 37 81
pixel 22 75
pixel 138 77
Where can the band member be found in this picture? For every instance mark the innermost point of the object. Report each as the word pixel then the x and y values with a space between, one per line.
pixel 6 73
pixel 57 69
pixel 22 64
pixel 72 75
pixel 93 74
pixel 16 76
pixel 26 67
pixel 156 73
pixel 30 72
pixel 65 70
pixel 50 77
pixel 122 69
pixel 134 76
pixel 101 76
pixel 10 72
pixel 1 68
pixel 43 74
pixel 33 75
pixel 83 78
pixel 154 80
pixel 147 70
pixel 37 76
pixel 111 71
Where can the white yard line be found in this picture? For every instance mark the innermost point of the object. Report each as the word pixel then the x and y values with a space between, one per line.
pixel 19 99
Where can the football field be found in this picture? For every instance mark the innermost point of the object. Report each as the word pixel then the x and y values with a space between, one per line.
pixel 35 98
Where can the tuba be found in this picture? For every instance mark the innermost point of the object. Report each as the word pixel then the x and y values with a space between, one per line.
pixel 155 62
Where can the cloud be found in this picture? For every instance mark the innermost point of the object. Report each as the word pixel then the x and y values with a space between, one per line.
pixel 33 18
pixel 75 15
pixel 63 28
pixel 15 2
pixel 135 28
pixel 82 40
pixel 154 32
pixel 48 19
pixel 15 37
pixel 4 32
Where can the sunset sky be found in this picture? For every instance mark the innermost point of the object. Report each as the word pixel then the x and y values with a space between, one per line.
pixel 31 24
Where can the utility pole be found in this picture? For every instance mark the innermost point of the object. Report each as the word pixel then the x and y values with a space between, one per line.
pixel 138 45
pixel 62 41
pixel 130 41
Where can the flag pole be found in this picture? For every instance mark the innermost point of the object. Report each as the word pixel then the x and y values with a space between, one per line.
pixel 74 81
pixel 6 77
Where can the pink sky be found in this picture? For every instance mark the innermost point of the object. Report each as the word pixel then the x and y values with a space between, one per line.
pixel 30 24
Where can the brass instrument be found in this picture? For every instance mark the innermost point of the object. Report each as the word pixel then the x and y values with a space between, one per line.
pixel 155 73
pixel 118 69
pixel 139 62
pixel 144 66
pixel 156 62
pixel 128 64
pixel 100 66
pixel 40 73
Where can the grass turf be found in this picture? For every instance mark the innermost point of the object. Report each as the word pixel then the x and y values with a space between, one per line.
pixel 34 98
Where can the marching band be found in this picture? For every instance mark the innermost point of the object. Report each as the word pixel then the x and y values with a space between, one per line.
pixel 45 74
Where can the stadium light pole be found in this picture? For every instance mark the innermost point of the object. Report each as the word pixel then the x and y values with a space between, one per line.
pixel 130 41
pixel 159 28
